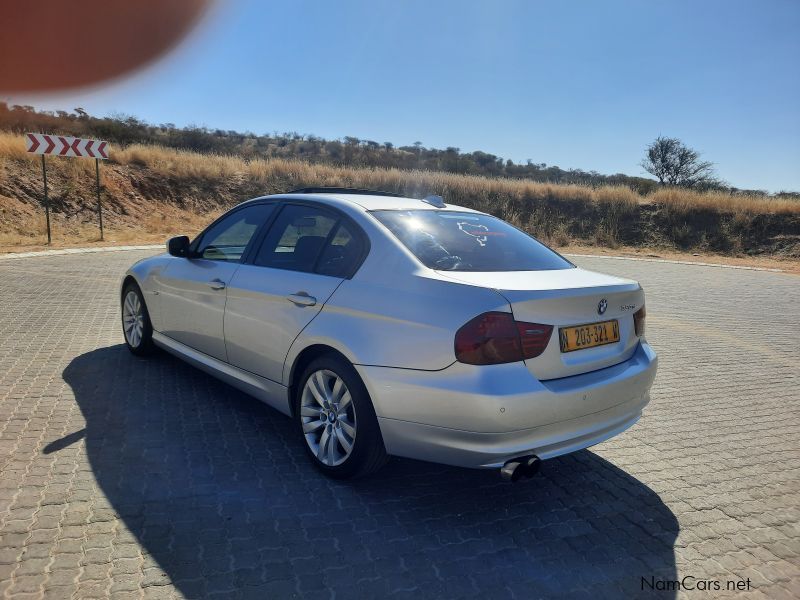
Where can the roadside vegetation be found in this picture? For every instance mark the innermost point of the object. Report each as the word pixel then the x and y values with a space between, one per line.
pixel 156 190
pixel 666 159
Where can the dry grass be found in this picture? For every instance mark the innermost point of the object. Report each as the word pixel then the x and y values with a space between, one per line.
pixel 13 146
pixel 152 190
pixel 684 201
pixel 187 165
pixel 192 165
pixel 177 163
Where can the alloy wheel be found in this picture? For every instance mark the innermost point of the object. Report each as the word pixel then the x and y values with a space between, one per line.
pixel 328 416
pixel 133 319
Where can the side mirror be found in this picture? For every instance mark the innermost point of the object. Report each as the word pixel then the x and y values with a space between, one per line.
pixel 178 246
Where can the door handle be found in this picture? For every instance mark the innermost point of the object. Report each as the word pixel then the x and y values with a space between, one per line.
pixel 302 299
pixel 216 284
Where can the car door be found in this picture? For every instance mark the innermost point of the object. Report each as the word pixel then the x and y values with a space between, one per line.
pixel 306 254
pixel 193 289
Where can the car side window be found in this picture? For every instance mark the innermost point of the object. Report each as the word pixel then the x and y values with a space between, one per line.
pixel 296 239
pixel 227 239
pixel 341 254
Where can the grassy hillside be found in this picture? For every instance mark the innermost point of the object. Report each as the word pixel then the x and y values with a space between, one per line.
pixel 123 130
pixel 156 190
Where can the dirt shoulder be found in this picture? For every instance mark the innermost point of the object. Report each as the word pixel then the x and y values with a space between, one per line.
pixel 783 264
pixel 109 241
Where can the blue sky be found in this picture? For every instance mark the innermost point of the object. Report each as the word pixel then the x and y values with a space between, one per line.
pixel 584 84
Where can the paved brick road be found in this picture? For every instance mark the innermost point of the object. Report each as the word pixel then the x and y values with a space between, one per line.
pixel 145 478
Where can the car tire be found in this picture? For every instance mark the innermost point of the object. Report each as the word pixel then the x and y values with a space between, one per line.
pixel 136 326
pixel 332 409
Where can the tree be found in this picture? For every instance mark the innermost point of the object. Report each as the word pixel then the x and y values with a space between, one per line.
pixel 674 163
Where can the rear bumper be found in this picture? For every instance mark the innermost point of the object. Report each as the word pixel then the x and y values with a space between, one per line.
pixel 483 416
pixel 489 450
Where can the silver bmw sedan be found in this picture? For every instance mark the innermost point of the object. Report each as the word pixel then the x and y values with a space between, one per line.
pixel 386 325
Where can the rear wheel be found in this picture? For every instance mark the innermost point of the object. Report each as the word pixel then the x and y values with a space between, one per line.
pixel 136 324
pixel 337 421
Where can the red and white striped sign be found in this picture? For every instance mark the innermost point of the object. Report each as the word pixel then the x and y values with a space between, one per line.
pixel 61 145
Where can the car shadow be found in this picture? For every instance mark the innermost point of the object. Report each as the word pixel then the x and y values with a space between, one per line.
pixel 217 490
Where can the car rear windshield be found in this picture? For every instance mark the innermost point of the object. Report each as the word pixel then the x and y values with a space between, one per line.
pixel 462 241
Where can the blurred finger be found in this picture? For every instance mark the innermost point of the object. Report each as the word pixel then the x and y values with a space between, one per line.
pixel 56 44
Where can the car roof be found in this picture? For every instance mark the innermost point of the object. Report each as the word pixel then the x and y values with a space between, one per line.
pixel 370 202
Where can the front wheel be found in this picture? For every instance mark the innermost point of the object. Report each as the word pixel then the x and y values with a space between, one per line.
pixel 337 421
pixel 136 324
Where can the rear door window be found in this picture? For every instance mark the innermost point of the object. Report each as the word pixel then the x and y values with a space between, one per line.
pixel 462 241
pixel 312 240
pixel 296 239
pixel 341 254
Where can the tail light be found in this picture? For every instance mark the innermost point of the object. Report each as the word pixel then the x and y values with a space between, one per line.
pixel 638 321
pixel 495 337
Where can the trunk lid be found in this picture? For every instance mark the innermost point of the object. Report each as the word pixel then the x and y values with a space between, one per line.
pixel 563 298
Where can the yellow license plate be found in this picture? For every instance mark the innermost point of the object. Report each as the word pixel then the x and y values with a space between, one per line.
pixel 590 335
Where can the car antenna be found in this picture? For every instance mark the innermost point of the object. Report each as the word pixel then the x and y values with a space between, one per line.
pixel 436 201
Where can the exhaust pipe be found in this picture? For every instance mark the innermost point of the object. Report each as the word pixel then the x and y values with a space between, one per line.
pixel 524 466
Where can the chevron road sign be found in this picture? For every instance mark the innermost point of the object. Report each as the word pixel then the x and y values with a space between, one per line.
pixel 64 145
pixel 60 145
